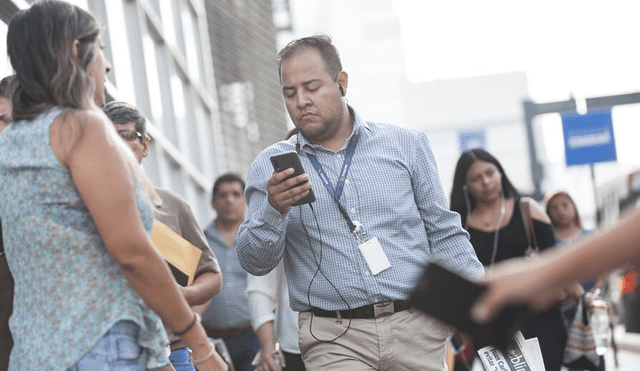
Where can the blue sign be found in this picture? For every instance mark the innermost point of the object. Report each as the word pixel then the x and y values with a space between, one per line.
pixel 472 139
pixel 588 138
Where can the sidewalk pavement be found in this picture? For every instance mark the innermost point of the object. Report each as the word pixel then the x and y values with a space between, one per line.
pixel 628 344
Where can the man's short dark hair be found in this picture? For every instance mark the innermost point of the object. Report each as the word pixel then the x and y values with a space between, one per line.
pixel 319 42
pixel 227 178
pixel 122 112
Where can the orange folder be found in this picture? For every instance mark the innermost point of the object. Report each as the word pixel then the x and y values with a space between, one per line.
pixel 182 256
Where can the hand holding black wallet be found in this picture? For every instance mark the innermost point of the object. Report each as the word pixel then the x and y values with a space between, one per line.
pixel 448 297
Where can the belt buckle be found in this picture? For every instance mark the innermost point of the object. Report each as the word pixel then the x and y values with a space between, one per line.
pixel 383 308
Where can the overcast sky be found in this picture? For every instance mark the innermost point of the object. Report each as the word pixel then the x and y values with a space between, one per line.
pixel 587 47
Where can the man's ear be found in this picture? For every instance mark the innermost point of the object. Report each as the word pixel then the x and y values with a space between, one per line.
pixel 74 49
pixel 343 80
pixel 145 144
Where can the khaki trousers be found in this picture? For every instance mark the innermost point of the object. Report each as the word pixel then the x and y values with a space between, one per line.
pixel 407 340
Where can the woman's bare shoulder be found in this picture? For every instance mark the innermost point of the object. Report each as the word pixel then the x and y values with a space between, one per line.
pixel 86 117
pixel 536 211
pixel 75 127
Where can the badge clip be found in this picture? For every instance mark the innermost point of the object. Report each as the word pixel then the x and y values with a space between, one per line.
pixel 358 231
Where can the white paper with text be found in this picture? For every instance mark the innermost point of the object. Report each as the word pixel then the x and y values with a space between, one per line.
pixel 525 356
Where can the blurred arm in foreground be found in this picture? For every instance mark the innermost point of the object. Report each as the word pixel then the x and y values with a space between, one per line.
pixel 539 282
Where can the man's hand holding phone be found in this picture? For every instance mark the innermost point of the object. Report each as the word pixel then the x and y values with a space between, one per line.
pixel 285 191
pixel 289 185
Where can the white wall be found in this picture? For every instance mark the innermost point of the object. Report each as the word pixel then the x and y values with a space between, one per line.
pixel 493 104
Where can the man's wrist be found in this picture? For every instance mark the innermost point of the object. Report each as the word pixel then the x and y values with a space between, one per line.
pixel 275 218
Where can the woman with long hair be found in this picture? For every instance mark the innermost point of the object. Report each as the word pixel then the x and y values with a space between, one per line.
pixel 489 206
pixel 565 218
pixel 568 228
pixel 91 292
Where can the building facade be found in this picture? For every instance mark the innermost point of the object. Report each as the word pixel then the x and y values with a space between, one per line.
pixel 166 57
pixel 243 45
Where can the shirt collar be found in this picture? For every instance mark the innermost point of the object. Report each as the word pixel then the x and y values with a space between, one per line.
pixel 358 123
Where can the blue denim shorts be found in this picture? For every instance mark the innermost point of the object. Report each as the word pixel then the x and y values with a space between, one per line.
pixel 117 350
pixel 181 359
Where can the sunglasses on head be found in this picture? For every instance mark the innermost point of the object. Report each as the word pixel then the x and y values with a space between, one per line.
pixel 130 135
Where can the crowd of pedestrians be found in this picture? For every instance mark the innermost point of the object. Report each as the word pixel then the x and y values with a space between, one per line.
pixel 278 285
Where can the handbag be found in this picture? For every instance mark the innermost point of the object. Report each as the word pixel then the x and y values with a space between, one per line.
pixel 533 248
pixel 532 240
pixel 580 349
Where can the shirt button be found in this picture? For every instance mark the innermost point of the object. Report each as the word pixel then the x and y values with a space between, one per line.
pixel 270 243
pixel 280 220
pixel 353 210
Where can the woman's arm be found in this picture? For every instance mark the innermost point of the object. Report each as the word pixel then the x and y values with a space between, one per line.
pixel 539 282
pixel 103 175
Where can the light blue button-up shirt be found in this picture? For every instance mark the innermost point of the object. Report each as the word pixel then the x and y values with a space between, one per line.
pixel 392 189
pixel 228 309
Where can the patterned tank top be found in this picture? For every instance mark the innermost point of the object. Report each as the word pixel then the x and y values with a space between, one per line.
pixel 68 289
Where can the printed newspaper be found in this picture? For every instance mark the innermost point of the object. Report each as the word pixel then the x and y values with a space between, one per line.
pixel 524 356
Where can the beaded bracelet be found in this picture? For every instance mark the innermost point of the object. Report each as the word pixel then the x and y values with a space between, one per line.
pixel 193 322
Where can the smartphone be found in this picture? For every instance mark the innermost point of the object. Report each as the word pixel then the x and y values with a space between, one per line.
pixel 285 160
pixel 448 297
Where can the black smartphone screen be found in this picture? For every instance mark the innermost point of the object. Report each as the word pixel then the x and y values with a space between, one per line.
pixel 285 160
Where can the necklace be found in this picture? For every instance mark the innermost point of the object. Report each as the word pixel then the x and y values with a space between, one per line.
pixel 490 219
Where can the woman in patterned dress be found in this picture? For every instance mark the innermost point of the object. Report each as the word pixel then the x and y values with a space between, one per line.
pixel 90 290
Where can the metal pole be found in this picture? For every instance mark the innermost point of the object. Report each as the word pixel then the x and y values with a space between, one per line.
pixel 537 172
pixel 595 192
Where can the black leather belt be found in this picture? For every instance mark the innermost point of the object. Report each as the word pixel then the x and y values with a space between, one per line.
pixel 367 311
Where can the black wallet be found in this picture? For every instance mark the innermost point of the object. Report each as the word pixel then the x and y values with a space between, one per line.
pixel 448 297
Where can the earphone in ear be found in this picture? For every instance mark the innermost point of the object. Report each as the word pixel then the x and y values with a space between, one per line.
pixel 341 90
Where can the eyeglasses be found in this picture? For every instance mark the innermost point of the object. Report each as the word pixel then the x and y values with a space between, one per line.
pixel 130 135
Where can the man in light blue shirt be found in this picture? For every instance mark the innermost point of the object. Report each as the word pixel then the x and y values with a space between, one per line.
pixel 380 215
pixel 228 316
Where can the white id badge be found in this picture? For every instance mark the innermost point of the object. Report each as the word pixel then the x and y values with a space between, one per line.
pixel 374 255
